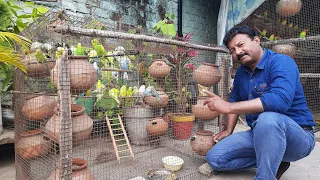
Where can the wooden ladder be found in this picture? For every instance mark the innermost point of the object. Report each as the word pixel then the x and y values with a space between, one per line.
pixel 119 138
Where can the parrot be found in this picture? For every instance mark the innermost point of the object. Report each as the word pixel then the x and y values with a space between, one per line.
pixel 79 50
pixel 284 22
pixel 141 90
pixel 263 33
pixel 114 94
pixel 276 37
pixel 100 88
pixel 135 90
pixel 73 49
pixel 119 50
pixel 98 47
pixel 59 52
pixel 265 14
pixel 123 91
pixel 291 25
pixel 303 33
pixel 271 38
pixel 109 57
pixel 40 56
pixel 296 27
pixel 151 91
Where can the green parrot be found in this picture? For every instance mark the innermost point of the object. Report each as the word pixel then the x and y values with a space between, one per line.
pixel 59 52
pixel 114 94
pixel 303 33
pixel 79 50
pixel 291 25
pixel 284 22
pixel 271 38
pixel 296 27
pixel 40 56
pixel 123 91
pixel 263 33
pixel 97 46
pixel 265 14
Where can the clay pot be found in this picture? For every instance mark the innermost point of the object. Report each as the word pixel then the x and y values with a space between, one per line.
pixel 82 125
pixel 182 130
pixel 202 112
pixel 32 144
pixel 156 102
pixel 79 171
pixel 207 74
pixel 82 74
pixel 287 8
pixel 157 127
pixel 159 69
pixel 36 69
pixel 287 49
pixel 202 142
pixel 38 108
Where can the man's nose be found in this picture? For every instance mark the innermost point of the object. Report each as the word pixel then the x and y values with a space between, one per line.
pixel 238 51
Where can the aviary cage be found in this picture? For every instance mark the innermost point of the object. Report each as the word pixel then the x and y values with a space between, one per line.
pixel 91 110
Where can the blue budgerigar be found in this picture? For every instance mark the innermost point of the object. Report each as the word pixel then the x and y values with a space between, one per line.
pixel 151 91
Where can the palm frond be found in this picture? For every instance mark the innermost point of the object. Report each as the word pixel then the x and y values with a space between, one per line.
pixel 11 37
pixel 8 55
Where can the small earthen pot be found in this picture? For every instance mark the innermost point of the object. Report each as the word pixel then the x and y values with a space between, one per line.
pixel 36 69
pixel 32 144
pixel 38 108
pixel 157 127
pixel 202 112
pixel 79 171
pixel 202 142
pixel 207 74
pixel 287 49
pixel 156 102
pixel 159 69
pixel 287 8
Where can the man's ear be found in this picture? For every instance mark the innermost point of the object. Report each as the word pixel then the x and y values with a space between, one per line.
pixel 257 40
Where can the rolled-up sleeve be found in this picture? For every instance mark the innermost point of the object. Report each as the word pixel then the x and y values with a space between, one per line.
pixel 284 75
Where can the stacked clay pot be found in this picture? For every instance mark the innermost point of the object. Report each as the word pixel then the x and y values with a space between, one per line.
pixel 202 142
pixel 39 108
pixel 287 8
pixel 36 69
pixel 207 74
pixel 82 125
pixel 32 144
pixel 159 69
pixel 155 101
pixel 82 74
pixel 157 127
pixel 79 171
pixel 202 112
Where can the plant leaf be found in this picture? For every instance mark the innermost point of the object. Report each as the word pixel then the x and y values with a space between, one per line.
pixel 169 29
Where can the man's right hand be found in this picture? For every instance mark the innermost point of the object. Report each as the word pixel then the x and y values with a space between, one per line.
pixel 218 137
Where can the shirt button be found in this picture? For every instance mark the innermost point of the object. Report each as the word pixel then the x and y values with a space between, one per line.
pixel 251 80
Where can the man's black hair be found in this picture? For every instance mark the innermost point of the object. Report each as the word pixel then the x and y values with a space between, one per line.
pixel 239 30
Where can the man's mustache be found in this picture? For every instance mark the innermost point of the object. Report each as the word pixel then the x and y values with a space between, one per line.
pixel 241 55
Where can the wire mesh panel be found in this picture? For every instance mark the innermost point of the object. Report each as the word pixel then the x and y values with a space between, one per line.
pixel 112 103
pixel 291 27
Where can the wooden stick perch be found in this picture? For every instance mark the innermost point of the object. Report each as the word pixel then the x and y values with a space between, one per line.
pixel 121 35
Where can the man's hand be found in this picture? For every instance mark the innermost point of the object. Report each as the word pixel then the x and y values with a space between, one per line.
pixel 216 103
pixel 221 135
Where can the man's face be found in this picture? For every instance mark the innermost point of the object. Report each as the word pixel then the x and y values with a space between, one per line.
pixel 245 50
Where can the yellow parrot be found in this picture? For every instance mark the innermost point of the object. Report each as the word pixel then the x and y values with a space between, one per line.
pixel 263 33
pixel 296 27
pixel 271 38
pixel 284 22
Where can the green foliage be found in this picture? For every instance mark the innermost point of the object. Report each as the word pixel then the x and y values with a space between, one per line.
pixel 20 19
pixel 166 26
pixel 5 17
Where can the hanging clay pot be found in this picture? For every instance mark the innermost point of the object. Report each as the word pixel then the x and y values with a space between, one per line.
pixel 202 142
pixel 36 69
pixel 156 102
pixel 287 8
pixel 38 108
pixel 157 127
pixel 287 49
pixel 159 69
pixel 82 74
pixel 79 171
pixel 82 125
pixel 32 144
pixel 207 74
pixel 202 112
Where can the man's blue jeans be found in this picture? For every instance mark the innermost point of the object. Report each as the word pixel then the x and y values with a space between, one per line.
pixel 275 137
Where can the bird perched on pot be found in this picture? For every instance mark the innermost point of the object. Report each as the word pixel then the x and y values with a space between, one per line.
pixel 151 91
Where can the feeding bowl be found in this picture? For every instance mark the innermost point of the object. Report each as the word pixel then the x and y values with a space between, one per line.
pixel 172 163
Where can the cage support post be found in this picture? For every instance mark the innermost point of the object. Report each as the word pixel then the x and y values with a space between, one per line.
pixel 224 88
pixel 65 139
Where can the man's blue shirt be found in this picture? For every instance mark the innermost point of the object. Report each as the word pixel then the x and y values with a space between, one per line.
pixel 276 82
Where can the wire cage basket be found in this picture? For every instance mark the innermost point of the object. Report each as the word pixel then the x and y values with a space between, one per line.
pixel 290 27
pixel 108 101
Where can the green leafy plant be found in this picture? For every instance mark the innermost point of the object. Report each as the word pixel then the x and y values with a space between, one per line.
pixel 166 26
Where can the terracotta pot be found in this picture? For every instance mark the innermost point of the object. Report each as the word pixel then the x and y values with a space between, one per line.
pixel 207 74
pixel 157 127
pixel 202 142
pixel 159 69
pixel 156 102
pixel 287 49
pixel 202 112
pixel 36 69
pixel 182 130
pixel 79 171
pixel 38 108
pixel 82 74
pixel 287 8
pixel 32 144
pixel 82 125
